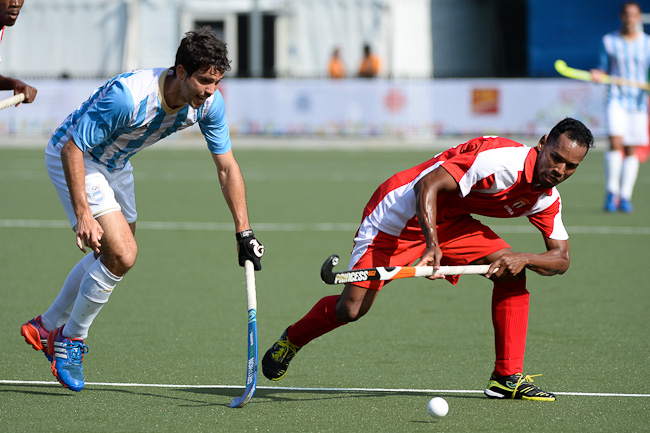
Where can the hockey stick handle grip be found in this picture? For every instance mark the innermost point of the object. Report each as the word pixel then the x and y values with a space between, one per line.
pixel 427 271
pixel 251 298
pixel 13 100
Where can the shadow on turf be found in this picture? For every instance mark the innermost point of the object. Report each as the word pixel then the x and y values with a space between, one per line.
pixel 56 389
pixel 269 395
pixel 266 395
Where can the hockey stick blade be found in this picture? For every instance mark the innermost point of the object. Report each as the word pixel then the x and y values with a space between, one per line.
pixel 251 365
pixel 328 275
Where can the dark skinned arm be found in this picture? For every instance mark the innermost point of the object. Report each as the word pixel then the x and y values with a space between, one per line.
pixel 552 262
pixel 426 209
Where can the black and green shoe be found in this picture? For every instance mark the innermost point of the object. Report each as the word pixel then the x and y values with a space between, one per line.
pixel 516 386
pixel 276 360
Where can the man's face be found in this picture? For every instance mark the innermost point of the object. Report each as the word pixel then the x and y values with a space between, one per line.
pixel 200 85
pixel 631 17
pixel 9 10
pixel 557 160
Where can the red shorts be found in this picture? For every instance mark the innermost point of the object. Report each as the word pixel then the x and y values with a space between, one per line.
pixel 462 241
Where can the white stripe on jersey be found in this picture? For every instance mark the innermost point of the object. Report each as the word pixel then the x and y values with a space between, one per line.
pixel 397 207
pixel 366 235
pixel 510 160
pixel 543 202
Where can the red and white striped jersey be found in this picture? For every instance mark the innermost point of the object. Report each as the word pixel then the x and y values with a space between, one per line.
pixel 495 177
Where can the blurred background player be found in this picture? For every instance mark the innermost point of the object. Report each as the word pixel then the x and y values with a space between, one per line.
pixel 336 68
pixel 370 64
pixel 625 53
pixel 9 10
pixel 425 212
pixel 87 160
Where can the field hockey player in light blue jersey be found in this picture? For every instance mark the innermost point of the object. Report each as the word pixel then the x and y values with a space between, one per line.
pixel 625 53
pixel 87 160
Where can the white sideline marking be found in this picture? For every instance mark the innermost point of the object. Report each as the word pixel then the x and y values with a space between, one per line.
pixel 307 227
pixel 288 388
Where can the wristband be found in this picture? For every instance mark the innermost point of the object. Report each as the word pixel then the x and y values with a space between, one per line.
pixel 244 234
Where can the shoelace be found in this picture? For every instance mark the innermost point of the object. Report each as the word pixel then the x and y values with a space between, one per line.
pixel 524 379
pixel 76 350
pixel 285 348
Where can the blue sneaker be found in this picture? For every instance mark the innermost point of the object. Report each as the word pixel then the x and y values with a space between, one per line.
pixel 68 354
pixel 36 336
pixel 626 206
pixel 611 203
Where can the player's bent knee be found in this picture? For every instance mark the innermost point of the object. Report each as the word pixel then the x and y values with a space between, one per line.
pixel 119 262
pixel 349 312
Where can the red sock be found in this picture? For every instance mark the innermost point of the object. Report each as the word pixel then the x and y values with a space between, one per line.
pixel 510 320
pixel 320 320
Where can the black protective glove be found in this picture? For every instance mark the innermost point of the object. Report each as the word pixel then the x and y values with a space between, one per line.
pixel 249 249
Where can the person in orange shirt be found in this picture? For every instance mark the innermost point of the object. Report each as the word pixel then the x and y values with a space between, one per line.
pixel 369 67
pixel 336 67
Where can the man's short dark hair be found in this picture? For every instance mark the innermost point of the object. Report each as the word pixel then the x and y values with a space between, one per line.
pixel 630 3
pixel 201 49
pixel 575 130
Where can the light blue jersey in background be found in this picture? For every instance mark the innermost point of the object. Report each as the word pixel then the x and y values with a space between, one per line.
pixel 629 59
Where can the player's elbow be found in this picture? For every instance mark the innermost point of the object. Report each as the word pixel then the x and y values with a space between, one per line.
pixel 562 269
pixel 563 265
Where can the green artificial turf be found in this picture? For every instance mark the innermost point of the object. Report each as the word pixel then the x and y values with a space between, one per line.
pixel 179 317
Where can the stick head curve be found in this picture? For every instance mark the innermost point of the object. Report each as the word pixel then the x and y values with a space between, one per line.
pixel 326 272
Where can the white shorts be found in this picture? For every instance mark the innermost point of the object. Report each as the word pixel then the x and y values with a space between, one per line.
pixel 631 125
pixel 106 192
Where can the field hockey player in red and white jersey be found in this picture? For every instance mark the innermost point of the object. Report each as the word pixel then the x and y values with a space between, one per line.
pixel 425 214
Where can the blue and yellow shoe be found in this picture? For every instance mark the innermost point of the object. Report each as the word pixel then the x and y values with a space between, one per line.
pixel 276 360
pixel 36 336
pixel 68 354
pixel 516 386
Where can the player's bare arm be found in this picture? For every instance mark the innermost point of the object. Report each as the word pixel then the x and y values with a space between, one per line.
pixel 552 262
pixel 7 83
pixel 233 189
pixel 89 232
pixel 234 192
pixel 426 199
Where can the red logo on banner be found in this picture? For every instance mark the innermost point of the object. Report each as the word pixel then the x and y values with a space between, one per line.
pixel 394 101
pixel 485 101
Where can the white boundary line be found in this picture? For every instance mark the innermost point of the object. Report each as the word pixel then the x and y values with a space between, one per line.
pixel 288 388
pixel 308 227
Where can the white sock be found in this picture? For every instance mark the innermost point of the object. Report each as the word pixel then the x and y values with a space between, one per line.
pixel 628 178
pixel 94 291
pixel 613 167
pixel 59 311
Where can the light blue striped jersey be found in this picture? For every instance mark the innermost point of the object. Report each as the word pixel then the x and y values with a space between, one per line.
pixel 629 59
pixel 129 113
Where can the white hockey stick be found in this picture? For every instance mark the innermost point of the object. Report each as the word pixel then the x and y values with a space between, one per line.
pixel 392 273
pixel 13 100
